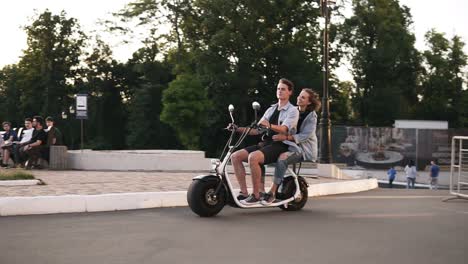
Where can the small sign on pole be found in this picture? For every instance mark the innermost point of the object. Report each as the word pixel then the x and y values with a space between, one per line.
pixel 81 106
pixel 82 112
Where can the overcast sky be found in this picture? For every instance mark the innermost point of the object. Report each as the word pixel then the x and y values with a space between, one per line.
pixel 447 16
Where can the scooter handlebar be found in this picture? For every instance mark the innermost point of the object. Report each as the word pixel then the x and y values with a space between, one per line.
pixel 231 127
pixel 262 129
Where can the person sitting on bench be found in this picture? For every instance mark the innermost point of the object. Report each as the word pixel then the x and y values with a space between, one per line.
pixel 8 138
pixel 54 137
pixel 34 148
pixel 24 139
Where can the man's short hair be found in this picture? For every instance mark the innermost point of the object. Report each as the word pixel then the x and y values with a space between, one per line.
pixel 28 119
pixel 39 120
pixel 50 119
pixel 288 83
pixel 6 123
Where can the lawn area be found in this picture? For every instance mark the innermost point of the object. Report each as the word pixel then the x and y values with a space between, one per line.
pixel 7 175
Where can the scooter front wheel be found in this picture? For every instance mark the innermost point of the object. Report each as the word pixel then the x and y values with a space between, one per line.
pixel 202 199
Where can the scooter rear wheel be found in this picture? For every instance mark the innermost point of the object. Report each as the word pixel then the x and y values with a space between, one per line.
pixel 202 199
pixel 288 190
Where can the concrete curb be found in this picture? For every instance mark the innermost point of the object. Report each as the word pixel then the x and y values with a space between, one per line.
pixel 142 200
pixel 416 185
pixel 19 182
pixel 352 186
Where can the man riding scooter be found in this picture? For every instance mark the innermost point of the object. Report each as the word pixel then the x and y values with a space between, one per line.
pixel 281 117
pixel 305 141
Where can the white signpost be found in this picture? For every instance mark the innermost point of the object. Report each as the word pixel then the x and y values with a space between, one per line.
pixel 82 112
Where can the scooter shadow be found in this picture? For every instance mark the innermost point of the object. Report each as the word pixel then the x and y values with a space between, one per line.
pixel 234 215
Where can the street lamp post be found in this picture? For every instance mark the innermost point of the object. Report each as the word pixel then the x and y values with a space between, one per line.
pixel 68 127
pixel 325 133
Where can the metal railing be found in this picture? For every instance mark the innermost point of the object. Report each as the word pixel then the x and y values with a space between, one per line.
pixel 459 167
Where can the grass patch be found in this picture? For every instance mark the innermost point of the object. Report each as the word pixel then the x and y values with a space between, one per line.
pixel 15 175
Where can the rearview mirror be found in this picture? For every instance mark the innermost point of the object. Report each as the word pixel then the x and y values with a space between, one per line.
pixel 256 106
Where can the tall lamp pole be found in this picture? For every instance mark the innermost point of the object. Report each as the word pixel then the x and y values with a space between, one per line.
pixel 325 133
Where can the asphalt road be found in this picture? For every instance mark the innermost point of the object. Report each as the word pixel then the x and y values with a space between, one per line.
pixel 381 226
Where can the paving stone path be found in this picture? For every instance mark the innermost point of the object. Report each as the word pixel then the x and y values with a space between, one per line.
pixel 101 182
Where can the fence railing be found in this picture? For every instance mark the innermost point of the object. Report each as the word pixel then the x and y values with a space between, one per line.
pixel 459 167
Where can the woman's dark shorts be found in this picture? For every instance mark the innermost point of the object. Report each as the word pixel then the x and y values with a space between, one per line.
pixel 271 151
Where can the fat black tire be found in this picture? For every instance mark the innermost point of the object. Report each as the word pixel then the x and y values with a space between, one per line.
pixel 201 200
pixel 288 190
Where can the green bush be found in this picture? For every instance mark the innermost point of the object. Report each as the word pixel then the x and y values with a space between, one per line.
pixel 15 175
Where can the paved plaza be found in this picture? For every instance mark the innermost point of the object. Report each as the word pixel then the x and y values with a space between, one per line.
pixel 103 182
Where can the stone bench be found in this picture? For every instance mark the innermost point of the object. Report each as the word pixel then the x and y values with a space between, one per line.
pixel 58 159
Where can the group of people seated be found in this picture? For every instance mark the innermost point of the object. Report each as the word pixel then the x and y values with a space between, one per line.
pixel 291 138
pixel 25 146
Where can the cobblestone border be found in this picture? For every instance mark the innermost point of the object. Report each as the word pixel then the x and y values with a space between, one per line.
pixel 21 182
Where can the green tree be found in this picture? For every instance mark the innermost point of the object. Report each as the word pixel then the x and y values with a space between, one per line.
pixel 10 94
pixel 105 84
pixel 50 62
pixel 384 61
pixel 150 79
pixel 185 108
pixel 238 50
pixel 146 131
pixel 341 103
pixel 442 80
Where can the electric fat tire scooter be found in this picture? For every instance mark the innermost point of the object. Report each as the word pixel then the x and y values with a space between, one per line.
pixel 208 194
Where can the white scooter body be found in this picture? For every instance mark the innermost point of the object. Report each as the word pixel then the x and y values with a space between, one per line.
pixel 208 194
pixel 221 169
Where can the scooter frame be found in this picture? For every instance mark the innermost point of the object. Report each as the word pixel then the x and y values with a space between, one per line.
pixel 222 173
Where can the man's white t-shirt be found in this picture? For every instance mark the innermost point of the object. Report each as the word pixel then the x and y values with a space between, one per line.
pixel 27 135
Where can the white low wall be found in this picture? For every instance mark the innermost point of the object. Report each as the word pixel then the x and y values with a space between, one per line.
pixel 332 171
pixel 140 160
pixel 352 186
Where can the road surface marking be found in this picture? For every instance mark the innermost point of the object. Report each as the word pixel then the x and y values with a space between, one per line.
pixel 385 197
pixel 386 215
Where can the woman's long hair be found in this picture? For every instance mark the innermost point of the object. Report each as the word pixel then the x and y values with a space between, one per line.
pixel 313 99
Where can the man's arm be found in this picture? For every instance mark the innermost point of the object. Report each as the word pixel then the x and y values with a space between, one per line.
pixel 252 132
pixel 41 138
pixel 276 128
pixel 263 121
pixel 289 123
pixel 35 144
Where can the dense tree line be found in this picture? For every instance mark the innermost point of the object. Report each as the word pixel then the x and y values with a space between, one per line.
pixel 174 91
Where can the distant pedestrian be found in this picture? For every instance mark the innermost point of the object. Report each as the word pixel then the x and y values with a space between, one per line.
pixel 391 176
pixel 411 173
pixel 434 175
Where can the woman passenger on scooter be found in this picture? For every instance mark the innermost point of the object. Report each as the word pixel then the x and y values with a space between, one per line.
pixel 304 145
